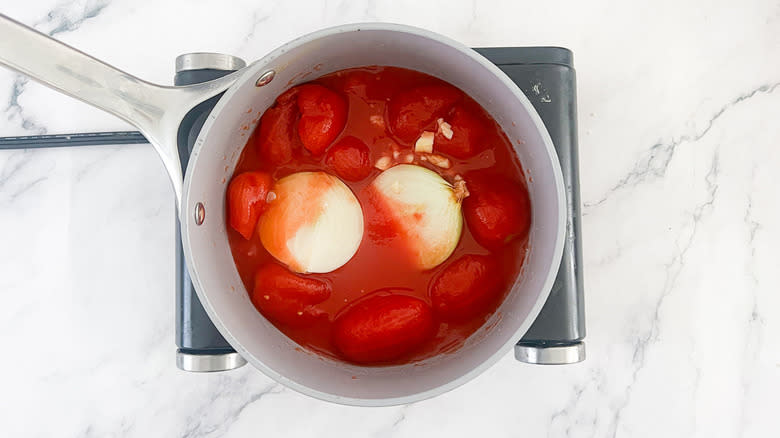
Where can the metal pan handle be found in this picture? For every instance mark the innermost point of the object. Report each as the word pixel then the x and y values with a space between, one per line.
pixel 154 109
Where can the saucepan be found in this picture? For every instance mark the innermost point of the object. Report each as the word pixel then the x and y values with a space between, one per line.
pixel 200 190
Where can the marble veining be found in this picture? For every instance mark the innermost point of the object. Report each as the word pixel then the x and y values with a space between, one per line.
pixel 678 108
pixel 657 158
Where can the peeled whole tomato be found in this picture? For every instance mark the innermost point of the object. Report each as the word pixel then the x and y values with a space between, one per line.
pixel 382 327
pixel 350 158
pixel 497 210
pixel 277 138
pixel 422 210
pixel 465 288
pixel 288 298
pixel 246 200
pixel 313 224
pixel 468 131
pixel 410 111
pixel 323 116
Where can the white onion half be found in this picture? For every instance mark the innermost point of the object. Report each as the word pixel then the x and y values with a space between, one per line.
pixel 315 223
pixel 424 208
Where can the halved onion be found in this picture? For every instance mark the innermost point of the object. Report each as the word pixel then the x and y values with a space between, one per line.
pixel 424 209
pixel 314 224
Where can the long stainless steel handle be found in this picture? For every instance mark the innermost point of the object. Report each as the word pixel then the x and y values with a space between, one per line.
pixel 154 109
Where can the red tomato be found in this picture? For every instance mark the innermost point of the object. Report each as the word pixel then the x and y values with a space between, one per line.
pixel 350 158
pixel 468 129
pixel 288 97
pixel 246 195
pixel 497 209
pixel 323 116
pixel 288 298
pixel 409 112
pixel 465 288
pixel 382 328
pixel 276 137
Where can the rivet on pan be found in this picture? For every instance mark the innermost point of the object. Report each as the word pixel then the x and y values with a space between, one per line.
pixel 200 213
pixel 265 78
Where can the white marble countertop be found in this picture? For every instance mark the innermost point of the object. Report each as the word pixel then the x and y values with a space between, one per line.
pixel 679 132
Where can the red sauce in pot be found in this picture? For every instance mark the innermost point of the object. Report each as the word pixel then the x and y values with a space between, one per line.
pixel 477 151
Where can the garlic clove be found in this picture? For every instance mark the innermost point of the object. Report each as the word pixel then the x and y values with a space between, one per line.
pixel 444 128
pixel 424 144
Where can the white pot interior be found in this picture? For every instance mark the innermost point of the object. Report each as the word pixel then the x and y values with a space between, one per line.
pixel 219 146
